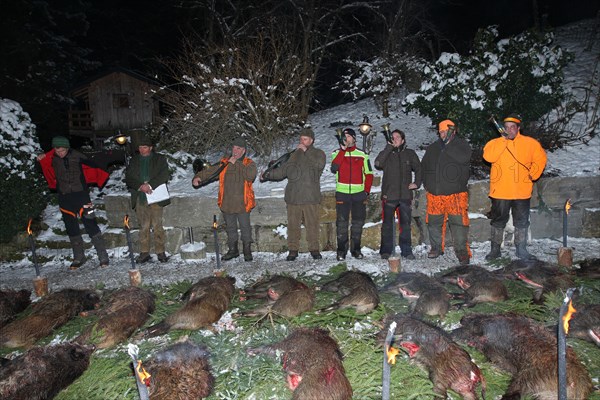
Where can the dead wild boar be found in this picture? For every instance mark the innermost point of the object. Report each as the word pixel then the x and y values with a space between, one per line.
pixel 53 311
pixel 206 301
pixel 181 371
pixel 541 276
pixel 286 297
pixel 278 283
pixel 588 269
pixel 425 295
pixel 125 310
pixel 527 350
pixel 42 372
pixel 585 323
pixel 12 302
pixel 312 361
pixel 449 365
pixel 479 284
pixel 358 291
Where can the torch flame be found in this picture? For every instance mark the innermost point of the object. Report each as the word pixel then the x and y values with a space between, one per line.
pixel 142 374
pixel 567 206
pixel 29 231
pixel 567 317
pixel 391 353
pixel 126 221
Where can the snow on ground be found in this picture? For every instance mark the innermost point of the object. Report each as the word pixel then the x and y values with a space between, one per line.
pixel 582 160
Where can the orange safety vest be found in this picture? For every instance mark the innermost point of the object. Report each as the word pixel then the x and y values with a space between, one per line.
pixel 451 204
pixel 249 200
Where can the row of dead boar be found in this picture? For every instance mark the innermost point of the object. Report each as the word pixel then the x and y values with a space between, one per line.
pixel 311 358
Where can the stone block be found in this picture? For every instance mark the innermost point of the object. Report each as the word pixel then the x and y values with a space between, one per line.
pixel 196 251
pixel 591 222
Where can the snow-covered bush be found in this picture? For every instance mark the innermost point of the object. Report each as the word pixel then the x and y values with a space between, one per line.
pixel 22 187
pixel 521 74
pixel 379 78
pixel 250 91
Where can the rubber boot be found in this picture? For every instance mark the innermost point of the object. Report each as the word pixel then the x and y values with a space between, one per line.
pixel 100 246
pixel 247 248
pixel 233 252
pixel 521 245
pixel 496 237
pixel 78 252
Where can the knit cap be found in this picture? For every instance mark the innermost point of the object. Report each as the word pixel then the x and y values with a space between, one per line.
pixel 60 141
pixel 239 142
pixel 307 132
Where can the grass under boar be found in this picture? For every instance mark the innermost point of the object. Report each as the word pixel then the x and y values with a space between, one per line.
pixel 240 376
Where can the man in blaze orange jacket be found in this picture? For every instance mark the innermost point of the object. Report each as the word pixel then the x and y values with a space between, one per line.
pixel 236 196
pixel 517 161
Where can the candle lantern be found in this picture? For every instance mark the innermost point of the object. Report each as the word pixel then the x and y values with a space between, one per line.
pixel 565 253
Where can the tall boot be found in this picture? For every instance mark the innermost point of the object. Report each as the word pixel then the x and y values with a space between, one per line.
pixel 100 246
pixel 247 249
pixel 78 252
pixel 496 237
pixel 233 252
pixel 521 245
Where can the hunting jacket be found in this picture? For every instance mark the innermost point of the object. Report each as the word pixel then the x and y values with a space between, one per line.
pixel 236 194
pixel 446 166
pixel 352 171
pixel 516 164
pixel 303 171
pixel 158 173
pixel 398 166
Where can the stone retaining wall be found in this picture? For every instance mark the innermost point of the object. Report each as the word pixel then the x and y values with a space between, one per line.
pixel 194 214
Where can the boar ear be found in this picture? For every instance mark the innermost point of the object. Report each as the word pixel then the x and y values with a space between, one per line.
pixel 80 352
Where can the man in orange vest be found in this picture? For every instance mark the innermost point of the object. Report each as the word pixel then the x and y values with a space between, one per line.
pixel 517 161
pixel 445 166
pixel 236 197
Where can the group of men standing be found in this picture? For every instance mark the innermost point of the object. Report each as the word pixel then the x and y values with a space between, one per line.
pixel 516 162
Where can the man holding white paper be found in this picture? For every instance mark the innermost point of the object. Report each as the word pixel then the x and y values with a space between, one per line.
pixel 146 177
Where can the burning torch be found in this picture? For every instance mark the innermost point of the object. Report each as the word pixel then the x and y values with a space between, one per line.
pixel 32 246
pixel 565 220
pixel 142 378
pixel 389 357
pixel 566 313
pixel 565 254
pixel 217 255
pixel 135 277
pixel 40 284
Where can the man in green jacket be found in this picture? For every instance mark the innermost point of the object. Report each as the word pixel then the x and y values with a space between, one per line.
pixel 147 171
pixel 302 193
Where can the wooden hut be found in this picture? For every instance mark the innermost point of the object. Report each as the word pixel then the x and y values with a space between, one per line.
pixel 116 101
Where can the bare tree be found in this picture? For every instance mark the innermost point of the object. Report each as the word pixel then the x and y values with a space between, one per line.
pixel 255 71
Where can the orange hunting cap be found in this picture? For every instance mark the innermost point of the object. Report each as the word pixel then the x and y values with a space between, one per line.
pixel 513 118
pixel 445 124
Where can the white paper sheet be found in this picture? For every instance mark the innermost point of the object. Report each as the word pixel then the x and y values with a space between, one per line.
pixel 158 194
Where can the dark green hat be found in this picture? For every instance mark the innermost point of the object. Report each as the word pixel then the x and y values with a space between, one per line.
pixel 308 132
pixel 60 141
pixel 239 142
pixel 145 141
